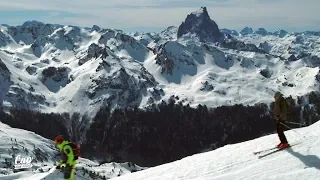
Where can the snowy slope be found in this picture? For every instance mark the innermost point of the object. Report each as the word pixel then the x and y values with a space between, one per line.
pixel 70 69
pixel 16 142
pixel 300 162
pixel 20 142
pixel 56 68
pixel 298 45
pixel 216 76
pixel 106 171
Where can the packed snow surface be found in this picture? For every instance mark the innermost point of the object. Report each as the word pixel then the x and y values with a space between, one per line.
pixel 300 162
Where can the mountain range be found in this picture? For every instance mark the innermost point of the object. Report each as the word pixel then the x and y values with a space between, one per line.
pixel 56 68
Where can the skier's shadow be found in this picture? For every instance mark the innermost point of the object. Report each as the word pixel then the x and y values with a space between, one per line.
pixel 308 160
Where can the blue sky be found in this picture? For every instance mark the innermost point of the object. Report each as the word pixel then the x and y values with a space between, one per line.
pixel 156 15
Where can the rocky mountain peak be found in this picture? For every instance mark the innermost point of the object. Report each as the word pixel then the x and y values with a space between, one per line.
pixel 246 31
pixel 32 23
pixel 200 24
pixel 201 12
pixel 261 31
pixel 281 33
pixel 95 28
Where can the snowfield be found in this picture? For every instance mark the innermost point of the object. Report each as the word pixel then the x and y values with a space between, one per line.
pixel 300 162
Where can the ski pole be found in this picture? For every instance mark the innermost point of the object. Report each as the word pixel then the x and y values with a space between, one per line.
pixel 296 123
pixel 292 129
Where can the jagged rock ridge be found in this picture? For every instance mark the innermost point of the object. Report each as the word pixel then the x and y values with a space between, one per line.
pixel 199 23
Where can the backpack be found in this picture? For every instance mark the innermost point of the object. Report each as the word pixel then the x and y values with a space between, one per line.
pixel 287 107
pixel 76 149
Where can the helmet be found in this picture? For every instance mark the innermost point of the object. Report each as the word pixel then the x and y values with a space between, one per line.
pixel 58 139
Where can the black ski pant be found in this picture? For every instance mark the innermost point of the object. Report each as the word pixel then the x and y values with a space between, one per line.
pixel 68 172
pixel 280 131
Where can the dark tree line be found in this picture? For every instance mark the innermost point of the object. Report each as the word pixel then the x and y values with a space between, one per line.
pixel 170 131
pixel 46 125
pixel 161 133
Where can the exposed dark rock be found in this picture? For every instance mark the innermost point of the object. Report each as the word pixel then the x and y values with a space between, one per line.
pixel 107 34
pixel 265 46
pixel 292 58
pixel 281 33
pixel 31 70
pixel 3 67
pixel 246 31
pixel 45 61
pixel 233 43
pixel 206 86
pixel 266 73
pixel 303 55
pixel 199 23
pixel 57 74
pixel 288 84
pixel 228 31
pixel 261 31
pixel 94 51
pixel 171 56
pixel 95 28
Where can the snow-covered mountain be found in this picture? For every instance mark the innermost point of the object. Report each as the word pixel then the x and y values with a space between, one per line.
pixel 15 142
pixel 49 67
pixel 56 68
pixel 300 162
pixel 263 32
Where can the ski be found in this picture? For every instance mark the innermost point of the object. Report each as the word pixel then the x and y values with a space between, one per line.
pixel 265 150
pixel 276 150
pixel 272 152
pixel 271 149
